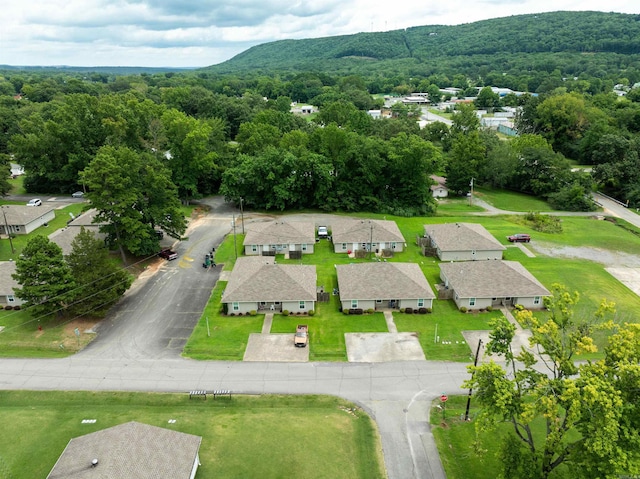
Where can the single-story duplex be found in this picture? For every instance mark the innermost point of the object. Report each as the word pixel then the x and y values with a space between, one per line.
pixel 479 284
pixel 383 285
pixel 370 235
pixel 65 236
pixel 22 220
pixel 132 449
pixel 463 242
pixel 439 188
pixel 8 284
pixel 279 237
pixel 260 284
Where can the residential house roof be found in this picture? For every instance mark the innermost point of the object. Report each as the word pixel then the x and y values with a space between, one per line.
pixel 23 215
pixel 86 219
pixel 462 237
pixel 492 279
pixel 132 450
pixel 280 232
pixel 259 278
pixel 7 283
pixel 382 280
pixel 365 231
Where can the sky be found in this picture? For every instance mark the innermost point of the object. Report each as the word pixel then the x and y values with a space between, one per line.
pixel 197 33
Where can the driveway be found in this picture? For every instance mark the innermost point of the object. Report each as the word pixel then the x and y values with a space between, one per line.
pixel 156 316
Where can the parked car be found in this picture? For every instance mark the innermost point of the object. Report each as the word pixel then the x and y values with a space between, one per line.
pixel 77 194
pixel 519 238
pixel 34 202
pixel 323 232
pixel 301 339
pixel 168 254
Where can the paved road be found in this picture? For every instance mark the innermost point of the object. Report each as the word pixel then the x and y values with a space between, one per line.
pixel 157 315
pixel 615 209
pixel 397 394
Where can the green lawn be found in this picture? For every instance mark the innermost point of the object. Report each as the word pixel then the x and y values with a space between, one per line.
pixel 511 200
pixel 22 337
pixel 245 437
pixel 20 241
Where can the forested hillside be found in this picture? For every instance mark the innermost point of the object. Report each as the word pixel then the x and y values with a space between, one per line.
pixel 568 32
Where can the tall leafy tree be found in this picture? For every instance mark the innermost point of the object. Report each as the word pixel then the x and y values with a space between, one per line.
pixel 590 411
pixel 100 282
pixel 133 193
pixel 46 281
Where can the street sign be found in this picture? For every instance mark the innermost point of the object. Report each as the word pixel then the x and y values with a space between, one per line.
pixel 444 398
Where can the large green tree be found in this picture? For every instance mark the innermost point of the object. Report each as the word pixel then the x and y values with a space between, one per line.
pixel 590 412
pixel 45 279
pixel 100 282
pixel 133 194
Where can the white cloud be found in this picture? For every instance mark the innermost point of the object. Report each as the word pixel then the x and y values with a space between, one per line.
pixel 187 33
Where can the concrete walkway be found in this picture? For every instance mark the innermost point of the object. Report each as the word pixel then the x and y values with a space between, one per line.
pixel 266 326
pixel 391 325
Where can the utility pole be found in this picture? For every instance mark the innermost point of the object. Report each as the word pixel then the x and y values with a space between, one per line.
pixel 242 213
pixel 235 247
pixel 471 195
pixel 475 363
pixel 6 230
pixel 370 238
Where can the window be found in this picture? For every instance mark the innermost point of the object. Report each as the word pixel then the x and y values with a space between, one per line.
pixel 10 298
pixel 344 245
pixel 354 303
pixel 421 303
pixel 302 304
pixel 536 300
pixel 254 248
pixel 378 301
pixel 472 301
pixel 236 306
pixel 304 247
pixel 393 245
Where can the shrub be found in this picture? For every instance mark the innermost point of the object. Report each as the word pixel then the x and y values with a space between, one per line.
pixel 370 310
pixel 489 308
pixel 429 310
pixel 422 310
pixel 345 311
pixel 285 312
pixel 239 314
pixel 311 312
pixel 16 307
pixel 8 307
pixel 253 312
pixel 356 311
pixel 463 309
pixel 232 314
pixel 408 310
pixel 518 307
pixel 416 311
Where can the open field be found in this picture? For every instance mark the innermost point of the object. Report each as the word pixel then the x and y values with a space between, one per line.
pixel 244 437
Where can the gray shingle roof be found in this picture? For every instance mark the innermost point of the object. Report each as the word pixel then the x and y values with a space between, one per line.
pixel 86 219
pixel 492 279
pixel 132 450
pixel 7 283
pixel 462 237
pixel 280 232
pixel 65 236
pixel 382 281
pixel 22 215
pixel 362 231
pixel 257 278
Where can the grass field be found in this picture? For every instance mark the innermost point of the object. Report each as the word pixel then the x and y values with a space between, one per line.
pixel 245 437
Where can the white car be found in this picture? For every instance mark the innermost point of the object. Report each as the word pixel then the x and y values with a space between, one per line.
pixel 77 194
pixel 34 202
pixel 322 232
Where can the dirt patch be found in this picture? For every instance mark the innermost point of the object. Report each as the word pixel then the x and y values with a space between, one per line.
pixel 599 255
